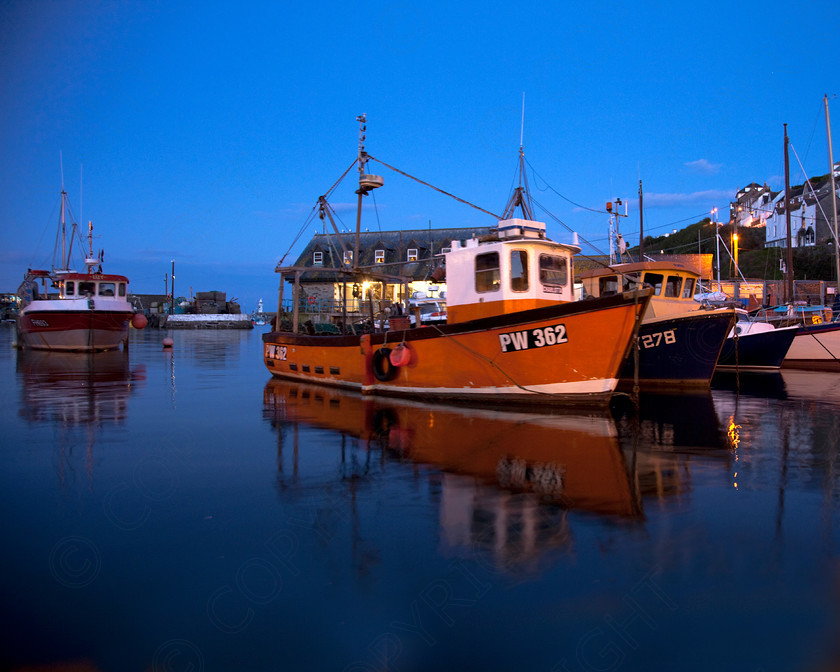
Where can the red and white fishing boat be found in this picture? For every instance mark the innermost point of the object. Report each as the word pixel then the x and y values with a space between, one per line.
pixel 514 332
pixel 65 310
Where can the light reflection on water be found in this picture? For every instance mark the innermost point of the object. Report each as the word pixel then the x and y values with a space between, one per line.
pixel 182 510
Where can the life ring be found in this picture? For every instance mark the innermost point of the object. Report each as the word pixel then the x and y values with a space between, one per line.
pixel 383 370
pixel 311 299
pixel 400 356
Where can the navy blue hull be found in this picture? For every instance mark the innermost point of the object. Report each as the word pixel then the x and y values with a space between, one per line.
pixel 764 350
pixel 680 351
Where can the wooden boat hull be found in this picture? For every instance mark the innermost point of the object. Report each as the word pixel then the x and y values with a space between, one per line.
pixel 678 350
pixel 72 330
pixel 764 350
pixel 816 347
pixel 561 354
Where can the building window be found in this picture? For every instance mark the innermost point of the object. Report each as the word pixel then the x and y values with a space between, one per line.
pixel 519 270
pixel 446 250
pixel 487 276
pixel 412 254
pixel 379 256
pixel 553 270
pixel 348 256
pixel 318 258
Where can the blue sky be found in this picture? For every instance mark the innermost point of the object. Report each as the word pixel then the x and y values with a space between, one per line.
pixel 205 132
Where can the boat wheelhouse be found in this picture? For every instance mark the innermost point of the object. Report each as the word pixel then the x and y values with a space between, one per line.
pixel 679 344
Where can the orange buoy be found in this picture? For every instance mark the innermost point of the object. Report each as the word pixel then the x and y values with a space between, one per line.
pixel 400 356
pixel 168 342
pixel 139 321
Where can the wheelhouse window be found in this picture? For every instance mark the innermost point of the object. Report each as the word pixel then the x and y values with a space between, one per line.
pixel 379 256
pixel 107 288
pixel 688 288
pixel 487 274
pixel 87 288
pixel 122 289
pixel 69 288
pixel 318 258
pixel 519 270
pixel 608 286
pixel 554 270
pixel 412 254
pixel 654 280
pixel 672 286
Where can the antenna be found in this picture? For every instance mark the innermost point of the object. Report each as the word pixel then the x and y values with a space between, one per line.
pixel 522 127
pixel 61 165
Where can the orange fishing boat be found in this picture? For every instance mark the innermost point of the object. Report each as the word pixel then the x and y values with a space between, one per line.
pixel 514 332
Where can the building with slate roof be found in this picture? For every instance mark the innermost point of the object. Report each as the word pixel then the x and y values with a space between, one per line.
pixel 392 266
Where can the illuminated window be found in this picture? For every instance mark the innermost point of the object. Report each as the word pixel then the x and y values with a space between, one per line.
pixel 318 258
pixel 348 256
pixel 487 275
pixel 412 254
pixel 379 256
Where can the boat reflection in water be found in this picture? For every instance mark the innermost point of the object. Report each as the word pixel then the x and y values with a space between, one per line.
pixel 76 392
pixel 508 479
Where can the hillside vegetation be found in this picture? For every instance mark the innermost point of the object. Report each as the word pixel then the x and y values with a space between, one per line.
pixel 755 261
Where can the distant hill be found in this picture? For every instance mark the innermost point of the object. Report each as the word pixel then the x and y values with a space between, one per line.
pixel 754 260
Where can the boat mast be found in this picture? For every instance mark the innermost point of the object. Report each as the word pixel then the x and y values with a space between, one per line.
pixel 65 262
pixel 641 225
pixel 833 195
pixel 789 262
pixel 362 119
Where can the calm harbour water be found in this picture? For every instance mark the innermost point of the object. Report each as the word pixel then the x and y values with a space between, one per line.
pixel 181 511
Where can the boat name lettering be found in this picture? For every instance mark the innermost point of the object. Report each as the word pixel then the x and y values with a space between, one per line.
pixel 276 352
pixel 513 341
pixel 652 340
pixel 40 323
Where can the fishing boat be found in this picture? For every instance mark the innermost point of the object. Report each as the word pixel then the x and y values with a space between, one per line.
pixel 514 332
pixel 679 341
pixel 756 345
pixel 258 317
pixel 65 310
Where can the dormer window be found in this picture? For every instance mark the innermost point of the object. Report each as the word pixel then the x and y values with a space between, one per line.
pixel 348 257
pixel 412 254
pixel 379 256
pixel 318 258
